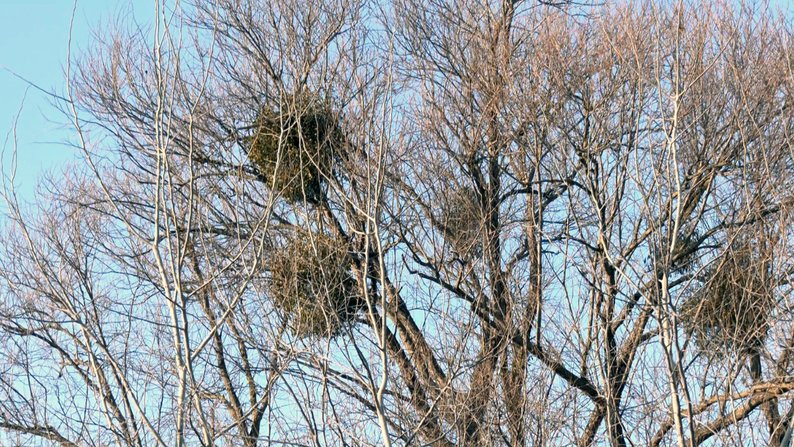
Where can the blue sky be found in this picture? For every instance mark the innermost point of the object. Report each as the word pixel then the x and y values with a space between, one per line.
pixel 33 44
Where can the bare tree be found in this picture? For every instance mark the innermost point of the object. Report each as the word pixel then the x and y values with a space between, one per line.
pixel 341 222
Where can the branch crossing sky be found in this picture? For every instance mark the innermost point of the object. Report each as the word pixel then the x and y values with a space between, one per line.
pixel 33 45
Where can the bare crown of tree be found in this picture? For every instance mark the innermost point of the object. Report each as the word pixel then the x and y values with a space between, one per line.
pixel 412 223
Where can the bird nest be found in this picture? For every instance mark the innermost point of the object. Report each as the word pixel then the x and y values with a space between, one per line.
pixel 732 308
pixel 311 285
pixel 461 222
pixel 293 149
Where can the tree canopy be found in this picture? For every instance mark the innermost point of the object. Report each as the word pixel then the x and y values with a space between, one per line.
pixel 412 223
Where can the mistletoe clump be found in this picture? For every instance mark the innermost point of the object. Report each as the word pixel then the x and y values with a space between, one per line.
pixel 293 148
pixel 462 222
pixel 312 286
pixel 732 308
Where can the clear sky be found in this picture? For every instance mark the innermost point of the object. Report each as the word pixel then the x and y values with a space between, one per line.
pixel 33 44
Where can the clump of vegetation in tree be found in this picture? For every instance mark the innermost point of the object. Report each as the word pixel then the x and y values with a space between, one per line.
pixel 462 222
pixel 293 148
pixel 732 308
pixel 312 286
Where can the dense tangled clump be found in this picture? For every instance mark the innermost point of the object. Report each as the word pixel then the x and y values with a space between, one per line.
pixel 462 222
pixel 293 149
pixel 732 308
pixel 312 286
